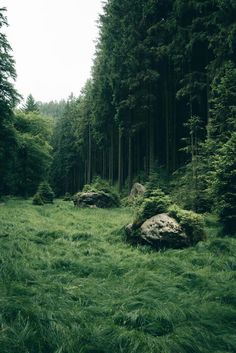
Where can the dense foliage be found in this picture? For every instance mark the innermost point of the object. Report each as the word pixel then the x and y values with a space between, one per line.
pixel 53 109
pixel 8 99
pixel 223 185
pixel 162 97
pixel 25 152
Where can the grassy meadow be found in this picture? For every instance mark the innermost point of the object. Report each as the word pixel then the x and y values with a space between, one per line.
pixel 69 283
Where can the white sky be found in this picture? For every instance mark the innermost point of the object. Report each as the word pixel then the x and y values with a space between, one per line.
pixel 53 44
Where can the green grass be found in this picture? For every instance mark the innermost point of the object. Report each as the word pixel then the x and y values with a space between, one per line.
pixel 70 284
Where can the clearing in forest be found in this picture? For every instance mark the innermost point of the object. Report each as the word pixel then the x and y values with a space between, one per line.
pixel 69 283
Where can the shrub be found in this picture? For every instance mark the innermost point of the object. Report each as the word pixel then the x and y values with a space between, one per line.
pixel 223 185
pixel 67 197
pixel 158 179
pixel 191 222
pixel 158 202
pixel 133 202
pixel 184 191
pixel 45 192
pixel 37 200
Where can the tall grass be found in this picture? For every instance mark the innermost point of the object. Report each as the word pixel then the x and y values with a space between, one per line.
pixel 70 284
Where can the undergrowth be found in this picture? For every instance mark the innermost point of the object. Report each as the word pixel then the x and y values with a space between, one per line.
pixel 70 284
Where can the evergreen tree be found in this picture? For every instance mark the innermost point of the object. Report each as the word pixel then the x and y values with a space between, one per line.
pixel 223 185
pixel 223 105
pixel 31 105
pixel 53 109
pixel 8 99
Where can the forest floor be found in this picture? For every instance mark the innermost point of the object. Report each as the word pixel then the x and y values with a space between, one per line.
pixel 69 283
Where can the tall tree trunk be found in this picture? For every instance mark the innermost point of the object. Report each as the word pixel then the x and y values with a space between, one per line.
pixel 151 143
pixel 89 176
pixel 111 158
pixel 130 163
pixel 167 126
pixel 173 123
pixel 104 163
pixel 146 157
pixel 85 171
pixel 120 161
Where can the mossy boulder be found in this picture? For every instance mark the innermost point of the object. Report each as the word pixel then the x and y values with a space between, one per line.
pixel 99 193
pixel 160 231
pixel 164 225
pixel 99 199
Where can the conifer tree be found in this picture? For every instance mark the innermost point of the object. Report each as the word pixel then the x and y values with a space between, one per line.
pixel 31 105
pixel 8 99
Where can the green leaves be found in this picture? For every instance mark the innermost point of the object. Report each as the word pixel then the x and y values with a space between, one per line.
pixel 223 184
pixel 8 95
pixel 30 105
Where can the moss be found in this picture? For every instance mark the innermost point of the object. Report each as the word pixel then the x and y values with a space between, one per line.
pixel 158 202
pixel 191 222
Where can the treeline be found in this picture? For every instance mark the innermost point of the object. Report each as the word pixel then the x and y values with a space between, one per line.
pixel 163 82
pixel 53 109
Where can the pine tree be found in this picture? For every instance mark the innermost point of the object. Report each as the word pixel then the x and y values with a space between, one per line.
pixel 31 105
pixel 8 99
pixel 223 185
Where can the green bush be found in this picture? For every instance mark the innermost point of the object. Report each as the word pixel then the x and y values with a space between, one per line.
pixel 183 191
pixel 45 192
pixel 67 197
pixel 37 200
pixel 223 185
pixel 191 222
pixel 132 202
pixel 158 179
pixel 158 202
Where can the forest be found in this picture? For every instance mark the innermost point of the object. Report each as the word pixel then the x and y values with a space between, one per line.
pixel 161 100
pixel 160 110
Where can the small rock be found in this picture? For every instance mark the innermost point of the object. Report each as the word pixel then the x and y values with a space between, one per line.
pixel 137 190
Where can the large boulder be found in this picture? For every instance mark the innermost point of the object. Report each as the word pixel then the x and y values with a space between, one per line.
pixel 137 190
pixel 160 231
pixel 95 199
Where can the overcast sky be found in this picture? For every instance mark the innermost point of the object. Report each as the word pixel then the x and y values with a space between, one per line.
pixel 53 44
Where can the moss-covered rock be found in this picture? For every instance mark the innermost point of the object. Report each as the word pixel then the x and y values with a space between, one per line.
pixel 102 188
pixel 191 222
pixel 162 225
pixel 95 199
